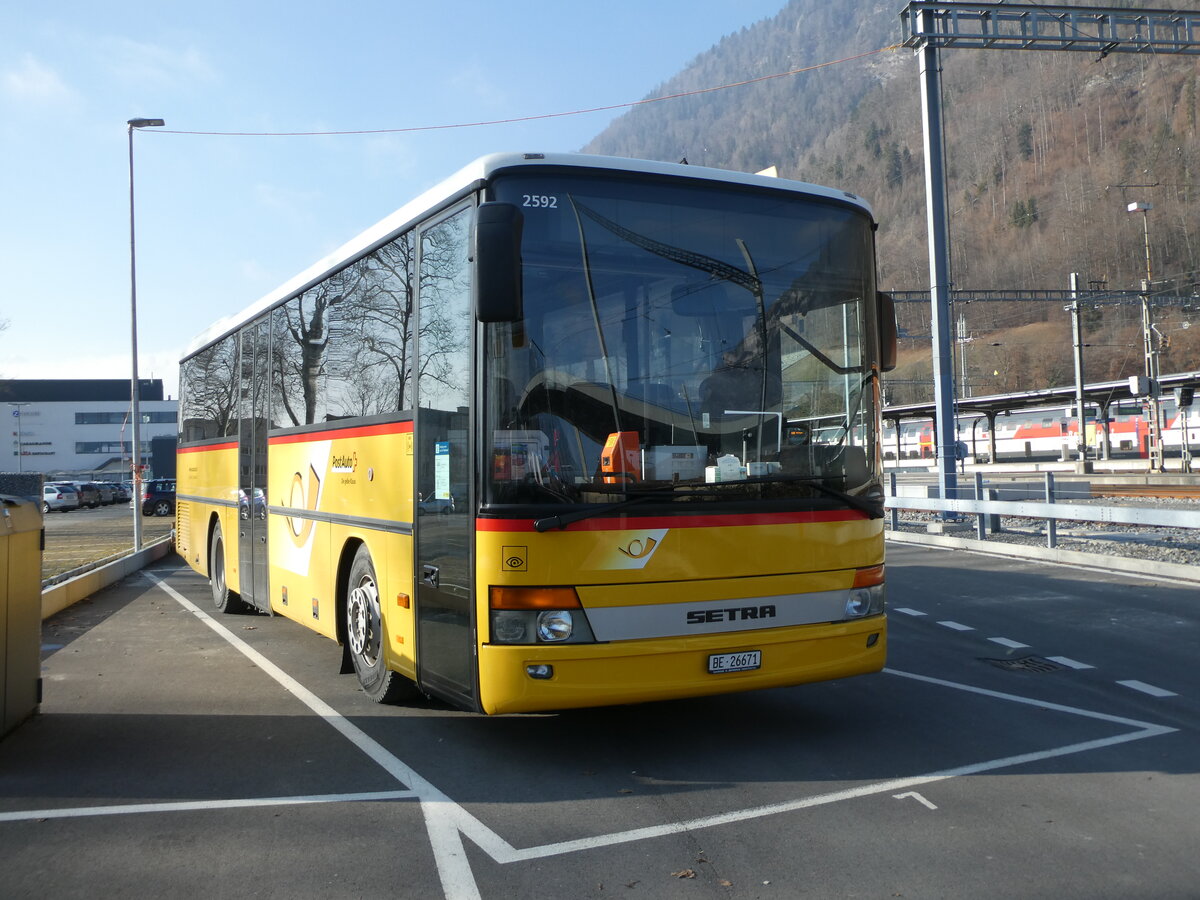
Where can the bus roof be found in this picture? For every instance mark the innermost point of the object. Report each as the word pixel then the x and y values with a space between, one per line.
pixel 468 179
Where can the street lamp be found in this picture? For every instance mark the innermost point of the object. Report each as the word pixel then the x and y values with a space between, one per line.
pixel 1157 454
pixel 1144 208
pixel 135 412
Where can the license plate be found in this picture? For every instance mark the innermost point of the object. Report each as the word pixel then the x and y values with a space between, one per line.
pixel 720 663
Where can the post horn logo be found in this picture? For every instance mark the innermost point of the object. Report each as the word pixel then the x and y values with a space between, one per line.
pixel 639 549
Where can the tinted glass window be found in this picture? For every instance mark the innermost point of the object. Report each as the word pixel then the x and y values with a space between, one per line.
pixel 369 366
pixel 343 348
pixel 208 392
pixel 679 337
pixel 299 349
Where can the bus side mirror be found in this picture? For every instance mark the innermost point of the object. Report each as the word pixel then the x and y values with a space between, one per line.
pixel 496 250
pixel 887 332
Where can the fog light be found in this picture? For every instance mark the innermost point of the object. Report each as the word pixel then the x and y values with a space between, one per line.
pixel 541 671
pixel 555 625
pixel 509 627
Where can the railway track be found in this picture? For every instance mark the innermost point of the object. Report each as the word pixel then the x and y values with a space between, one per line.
pixel 1155 491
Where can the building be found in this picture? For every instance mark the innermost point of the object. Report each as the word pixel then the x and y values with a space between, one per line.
pixel 79 428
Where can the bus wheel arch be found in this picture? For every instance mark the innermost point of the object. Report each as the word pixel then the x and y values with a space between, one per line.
pixel 361 617
pixel 224 598
pixel 341 582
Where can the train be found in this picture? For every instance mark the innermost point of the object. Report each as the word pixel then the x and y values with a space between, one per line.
pixel 1049 433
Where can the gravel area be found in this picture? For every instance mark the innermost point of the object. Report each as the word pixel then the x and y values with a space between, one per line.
pixel 1171 545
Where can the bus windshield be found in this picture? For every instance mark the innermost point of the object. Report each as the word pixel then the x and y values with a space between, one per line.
pixel 693 344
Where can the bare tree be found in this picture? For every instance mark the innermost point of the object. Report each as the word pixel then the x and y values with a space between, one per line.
pixel 208 392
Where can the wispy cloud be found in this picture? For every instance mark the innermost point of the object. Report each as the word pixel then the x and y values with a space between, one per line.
pixel 31 81
pixel 480 82
pixel 297 203
pixel 160 65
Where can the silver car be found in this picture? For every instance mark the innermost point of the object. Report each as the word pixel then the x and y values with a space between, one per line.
pixel 59 496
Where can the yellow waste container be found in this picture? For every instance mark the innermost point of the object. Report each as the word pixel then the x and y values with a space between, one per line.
pixel 21 543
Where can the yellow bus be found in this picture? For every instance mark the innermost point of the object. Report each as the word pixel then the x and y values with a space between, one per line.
pixel 564 431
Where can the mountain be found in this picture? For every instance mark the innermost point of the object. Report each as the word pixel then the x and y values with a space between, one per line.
pixel 1044 152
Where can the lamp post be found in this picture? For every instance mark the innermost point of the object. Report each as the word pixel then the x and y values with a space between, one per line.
pixel 1157 456
pixel 135 413
pixel 1082 464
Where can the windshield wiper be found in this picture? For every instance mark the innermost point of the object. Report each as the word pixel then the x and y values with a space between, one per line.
pixel 817 483
pixel 562 520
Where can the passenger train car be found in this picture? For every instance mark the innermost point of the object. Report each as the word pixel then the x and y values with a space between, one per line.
pixel 1048 434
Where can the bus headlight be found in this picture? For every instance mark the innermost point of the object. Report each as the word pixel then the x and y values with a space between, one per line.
pixel 555 625
pixel 865 601
pixel 539 615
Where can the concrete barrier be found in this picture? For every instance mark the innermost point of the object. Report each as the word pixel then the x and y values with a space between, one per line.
pixel 58 597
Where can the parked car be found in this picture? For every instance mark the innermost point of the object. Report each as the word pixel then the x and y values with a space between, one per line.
pixel 59 496
pixel 257 508
pixel 443 505
pixel 89 494
pixel 108 496
pixel 158 497
pixel 119 491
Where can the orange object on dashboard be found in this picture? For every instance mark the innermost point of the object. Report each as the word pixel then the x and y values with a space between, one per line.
pixel 621 459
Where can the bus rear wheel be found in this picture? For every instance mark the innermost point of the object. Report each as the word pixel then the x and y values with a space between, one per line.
pixel 365 636
pixel 224 599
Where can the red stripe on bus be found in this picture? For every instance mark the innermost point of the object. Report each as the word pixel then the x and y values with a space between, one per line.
pixel 232 445
pixel 340 433
pixel 709 521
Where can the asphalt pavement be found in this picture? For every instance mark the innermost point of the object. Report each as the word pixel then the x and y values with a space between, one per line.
pixel 1035 735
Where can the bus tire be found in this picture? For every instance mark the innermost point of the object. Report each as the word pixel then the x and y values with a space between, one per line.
pixel 224 599
pixel 365 637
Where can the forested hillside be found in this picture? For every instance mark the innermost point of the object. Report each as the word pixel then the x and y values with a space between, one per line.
pixel 1044 151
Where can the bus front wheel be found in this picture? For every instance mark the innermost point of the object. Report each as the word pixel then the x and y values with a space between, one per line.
pixel 224 599
pixel 365 635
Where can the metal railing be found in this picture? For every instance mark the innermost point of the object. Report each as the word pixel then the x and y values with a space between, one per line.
pixel 988 510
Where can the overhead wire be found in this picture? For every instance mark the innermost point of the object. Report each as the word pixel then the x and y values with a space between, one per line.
pixel 541 116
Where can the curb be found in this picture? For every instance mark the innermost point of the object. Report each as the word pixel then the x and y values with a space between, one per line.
pixel 58 597
pixel 1119 564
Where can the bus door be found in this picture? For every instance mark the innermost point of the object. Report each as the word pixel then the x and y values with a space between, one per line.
pixel 252 468
pixel 444 526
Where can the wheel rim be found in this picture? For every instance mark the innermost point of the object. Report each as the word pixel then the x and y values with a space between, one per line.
pixel 162 508
pixel 217 572
pixel 362 620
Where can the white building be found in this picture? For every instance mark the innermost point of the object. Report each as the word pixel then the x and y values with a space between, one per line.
pixel 79 428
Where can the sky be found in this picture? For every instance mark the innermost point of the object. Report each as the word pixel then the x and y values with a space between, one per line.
pixel 222 220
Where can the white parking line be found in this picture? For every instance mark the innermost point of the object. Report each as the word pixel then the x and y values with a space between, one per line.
pixel 956 626
pixel 907 611
pixel 1069 663
pixel 1006 642
pixel 1147 689
pixel 76 812
pixel 447 822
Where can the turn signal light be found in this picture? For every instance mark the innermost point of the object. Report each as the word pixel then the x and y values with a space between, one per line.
pixel 533 598
pixel 868 577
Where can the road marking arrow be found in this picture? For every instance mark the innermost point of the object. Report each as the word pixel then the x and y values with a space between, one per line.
pixel 916 797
